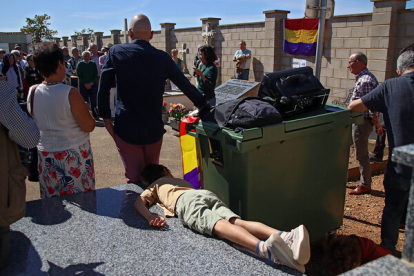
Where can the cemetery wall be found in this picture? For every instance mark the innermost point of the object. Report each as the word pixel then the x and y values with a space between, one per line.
pixel 380 35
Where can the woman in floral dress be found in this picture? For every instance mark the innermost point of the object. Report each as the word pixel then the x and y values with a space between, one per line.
pixel 64 119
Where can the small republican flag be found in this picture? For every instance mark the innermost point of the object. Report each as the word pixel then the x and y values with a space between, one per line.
pixel 301 36
pixel 191 154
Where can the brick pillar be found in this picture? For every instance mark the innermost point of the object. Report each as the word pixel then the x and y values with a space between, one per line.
pixel 273 42
pixel 212 23
pixel 85 42
pixel 114 36
pixel 166 29
pixel 65 40
pixel 98 40
pixel 57 41
pixel 74 39
pixel 382 56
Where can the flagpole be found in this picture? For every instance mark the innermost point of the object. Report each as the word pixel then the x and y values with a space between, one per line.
pixel 321 32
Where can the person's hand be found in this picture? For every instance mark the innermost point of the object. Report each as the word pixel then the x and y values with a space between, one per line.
pixel 379 131
pixel 156 221
pixel 198 72
pixel 205 114
pixel 88 85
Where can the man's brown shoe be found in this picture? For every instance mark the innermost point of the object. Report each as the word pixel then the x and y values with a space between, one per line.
pixel 360 190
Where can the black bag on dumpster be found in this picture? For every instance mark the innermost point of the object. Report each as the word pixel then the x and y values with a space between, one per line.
pixel 248 112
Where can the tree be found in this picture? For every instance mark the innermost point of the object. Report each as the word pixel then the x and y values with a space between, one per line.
pixel 84 31
pixel 39 29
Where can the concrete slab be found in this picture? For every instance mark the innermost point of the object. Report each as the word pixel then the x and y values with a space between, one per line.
pixel 100 233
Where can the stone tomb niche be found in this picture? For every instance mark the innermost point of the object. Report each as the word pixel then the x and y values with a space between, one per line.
pixel 234 89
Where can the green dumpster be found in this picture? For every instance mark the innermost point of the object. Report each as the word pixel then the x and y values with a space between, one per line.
pixel 286 174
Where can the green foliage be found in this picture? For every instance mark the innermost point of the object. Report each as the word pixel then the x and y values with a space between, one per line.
pixel 38 27
pixel 83 31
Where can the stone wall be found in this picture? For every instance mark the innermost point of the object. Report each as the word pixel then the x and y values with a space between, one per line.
pixel 380 35
pixel 344 36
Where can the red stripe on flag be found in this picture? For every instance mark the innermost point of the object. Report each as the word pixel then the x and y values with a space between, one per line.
pixel 302 24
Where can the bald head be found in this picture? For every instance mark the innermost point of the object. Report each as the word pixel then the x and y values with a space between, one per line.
pixel 140 28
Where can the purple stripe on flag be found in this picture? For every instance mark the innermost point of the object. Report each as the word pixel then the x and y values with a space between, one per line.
pixel 300 49
pixel 192 177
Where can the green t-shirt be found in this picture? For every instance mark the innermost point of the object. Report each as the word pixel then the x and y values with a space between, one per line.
pixel 207 87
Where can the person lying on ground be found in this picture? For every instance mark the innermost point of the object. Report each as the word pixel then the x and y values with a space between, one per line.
pixel 204 212
pixel 343 253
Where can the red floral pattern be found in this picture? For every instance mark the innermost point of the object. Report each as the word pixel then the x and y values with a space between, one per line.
pixel 66 172
pixel 60 155
pixel 75 172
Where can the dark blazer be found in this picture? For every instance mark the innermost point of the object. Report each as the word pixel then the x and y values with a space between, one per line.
pixel 140 71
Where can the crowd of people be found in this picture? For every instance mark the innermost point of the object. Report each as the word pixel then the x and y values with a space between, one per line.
pixel 60 117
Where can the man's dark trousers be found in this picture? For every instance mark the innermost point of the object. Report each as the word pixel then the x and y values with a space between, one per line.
pixel 90 94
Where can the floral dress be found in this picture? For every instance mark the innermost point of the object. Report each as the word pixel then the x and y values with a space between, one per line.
pixel 66 172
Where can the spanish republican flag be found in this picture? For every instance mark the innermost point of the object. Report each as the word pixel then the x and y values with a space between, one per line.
pixel 191 154
pixel 301 36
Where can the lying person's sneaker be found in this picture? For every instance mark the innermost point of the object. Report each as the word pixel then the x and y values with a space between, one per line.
pixel 281 252
pixel 375 159
pixel 360 190
pixel 298 241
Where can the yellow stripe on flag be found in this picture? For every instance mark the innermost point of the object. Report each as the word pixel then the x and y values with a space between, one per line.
pixel 188 147
pixel 304 36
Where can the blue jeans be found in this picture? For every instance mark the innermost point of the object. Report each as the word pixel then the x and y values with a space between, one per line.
pixel 243 76
pixel 396 197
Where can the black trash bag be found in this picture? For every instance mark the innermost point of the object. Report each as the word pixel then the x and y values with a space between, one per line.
pixel 245 113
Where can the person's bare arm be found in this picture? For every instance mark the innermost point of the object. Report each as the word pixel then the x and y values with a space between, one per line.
pixel 153 220
pixel 80 111
pixel 357 106
pixel 378 128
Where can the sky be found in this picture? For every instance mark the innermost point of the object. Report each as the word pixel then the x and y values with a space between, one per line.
pixel 104 15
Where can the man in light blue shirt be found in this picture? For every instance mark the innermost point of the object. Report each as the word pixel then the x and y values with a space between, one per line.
pixel 242 57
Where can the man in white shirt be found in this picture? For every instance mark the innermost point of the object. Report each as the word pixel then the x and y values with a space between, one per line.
pixel 242 57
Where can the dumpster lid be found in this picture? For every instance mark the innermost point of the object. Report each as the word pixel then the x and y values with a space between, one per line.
pixel 333 115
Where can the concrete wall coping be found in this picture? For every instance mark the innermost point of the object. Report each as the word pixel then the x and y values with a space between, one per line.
pixel 189 28
pixel 240 24
pixel 219 26
pixel 210 18
pixel 353 15
pixel 276 11
pixel 406 10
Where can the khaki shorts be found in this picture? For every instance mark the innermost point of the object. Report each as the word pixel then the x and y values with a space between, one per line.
pixel 201 209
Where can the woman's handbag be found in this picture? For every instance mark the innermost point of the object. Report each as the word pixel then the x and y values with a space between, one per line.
pixel 12 181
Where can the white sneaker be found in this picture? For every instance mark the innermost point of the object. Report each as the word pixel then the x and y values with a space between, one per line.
pixel 300 244
pixel 281 252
